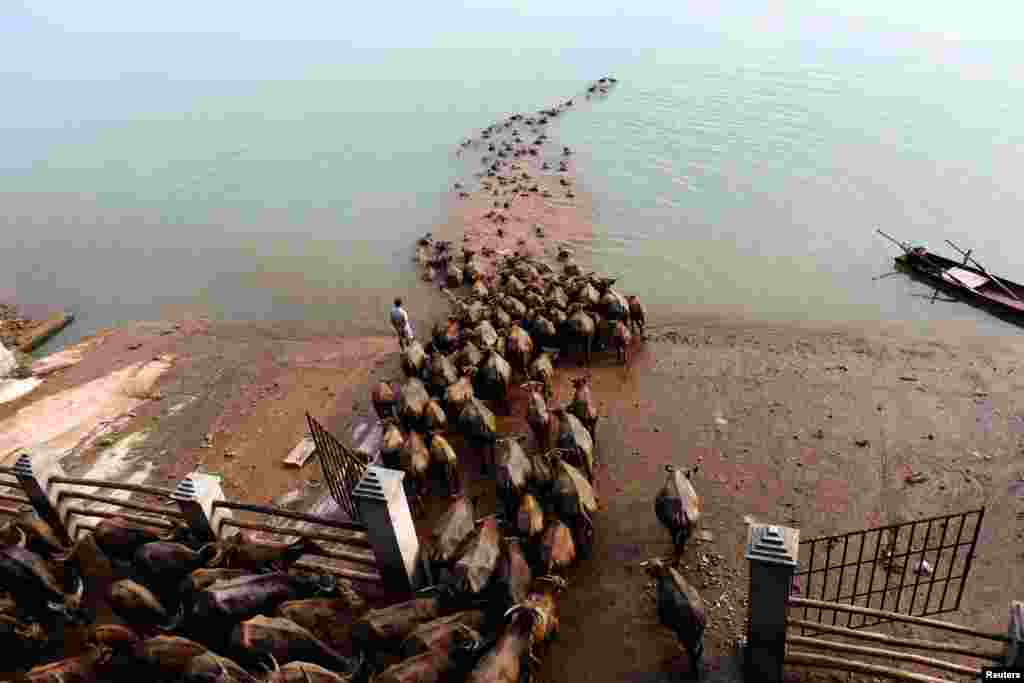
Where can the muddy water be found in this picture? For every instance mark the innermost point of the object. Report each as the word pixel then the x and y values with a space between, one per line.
pixel 722 179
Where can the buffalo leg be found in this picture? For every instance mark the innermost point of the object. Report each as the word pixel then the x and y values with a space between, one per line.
pixel 481 454
pixel 454 481
pixel 696 652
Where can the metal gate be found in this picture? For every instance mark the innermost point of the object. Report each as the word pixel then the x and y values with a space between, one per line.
pixel 915 568
pixel 342 467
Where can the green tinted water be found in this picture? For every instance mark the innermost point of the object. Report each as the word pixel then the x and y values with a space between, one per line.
pixel 724 179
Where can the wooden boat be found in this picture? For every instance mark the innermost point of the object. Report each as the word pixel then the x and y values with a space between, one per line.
pixel 973 284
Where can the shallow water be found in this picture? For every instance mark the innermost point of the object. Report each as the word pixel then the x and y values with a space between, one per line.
pixel 724 179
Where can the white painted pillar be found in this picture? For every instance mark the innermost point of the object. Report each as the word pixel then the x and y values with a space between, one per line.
pixel 36 486
pixel 195 496
pixel 383 507
pixel 772 552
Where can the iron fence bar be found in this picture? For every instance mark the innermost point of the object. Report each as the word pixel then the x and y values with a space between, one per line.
pixel 344 572
pixel 824 573
pixel 9 511
pixel 874 571
pixel 341 468
pixel 889 565
pixel 856 575
pixel 102 484
pixel 952 564
pixel 935 569
pixel 107 515
pixel 357 527
pixel 920 569
pixel 810 573
pixel 970 556
pixel 906 618
pixel 358 558
pixel 170 512
pixel 937 548
pixel 906 561
pixel 15 499
pixel 839 584
pixel 7 469
pixel 281 531
pixel 888 527
pixel 843 598
pixel 896 655
pixel 896 560
pixel 899 642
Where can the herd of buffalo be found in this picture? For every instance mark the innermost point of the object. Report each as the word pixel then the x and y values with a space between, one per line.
pixel 238 610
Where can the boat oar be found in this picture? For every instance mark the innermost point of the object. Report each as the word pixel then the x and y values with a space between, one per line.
pixel 901 245
pixel 967 256
pixel 885 275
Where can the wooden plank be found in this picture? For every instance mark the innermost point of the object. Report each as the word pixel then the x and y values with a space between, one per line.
pixel 878 652
pixel 302 452
pixel 845 664
pixel 37 335
pixel 893 640
pixel 895 616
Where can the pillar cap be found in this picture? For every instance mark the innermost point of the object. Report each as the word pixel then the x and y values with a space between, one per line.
pixel 379 483
pixel 23 465
pixel 185 490
pixel 773 544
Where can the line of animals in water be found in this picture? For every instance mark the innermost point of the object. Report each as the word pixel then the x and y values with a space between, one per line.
pixel 239 610
pixel 503 143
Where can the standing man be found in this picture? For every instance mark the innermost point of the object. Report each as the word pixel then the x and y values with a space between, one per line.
pixel 400 321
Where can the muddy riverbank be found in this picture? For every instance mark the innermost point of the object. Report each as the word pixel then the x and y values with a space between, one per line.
pixel 774 414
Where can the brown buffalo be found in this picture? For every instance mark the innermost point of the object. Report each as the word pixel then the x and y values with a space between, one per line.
pixel 384 400
pixel 582 404
pixel 637 313
pixel 621 339
pixel 538 417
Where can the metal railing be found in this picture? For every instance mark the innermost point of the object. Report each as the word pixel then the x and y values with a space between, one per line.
pixel 350 545
pixel 8 480
pixel 162 517
pixel 341 466
pixel 924 558
pixel 806 651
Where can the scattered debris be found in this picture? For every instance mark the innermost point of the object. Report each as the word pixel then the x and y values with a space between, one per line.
pixel 922 568
pixel 916 478
pixel 862 443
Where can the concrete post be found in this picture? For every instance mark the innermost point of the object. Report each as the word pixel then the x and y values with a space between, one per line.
pixel 772 552
pixel 1015 647
pixel 195 495
pixel 380 498
pixel 37 489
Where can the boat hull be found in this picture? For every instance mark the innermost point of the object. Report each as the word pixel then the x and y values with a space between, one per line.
pixel 960 280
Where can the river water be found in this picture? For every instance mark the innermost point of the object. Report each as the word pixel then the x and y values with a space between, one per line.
pixel 725 179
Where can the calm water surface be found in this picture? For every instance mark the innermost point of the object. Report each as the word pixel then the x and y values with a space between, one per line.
pixel 724 179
